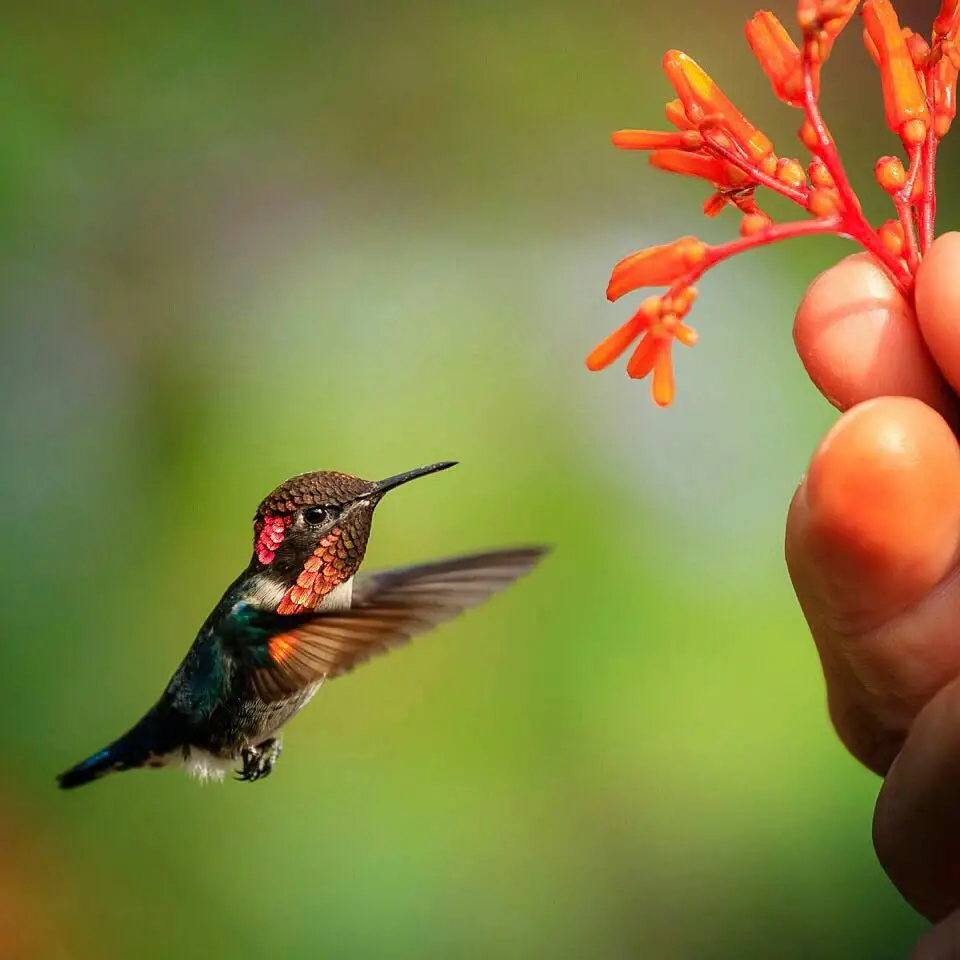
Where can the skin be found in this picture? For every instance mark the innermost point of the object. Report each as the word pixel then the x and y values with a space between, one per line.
pixel 873 549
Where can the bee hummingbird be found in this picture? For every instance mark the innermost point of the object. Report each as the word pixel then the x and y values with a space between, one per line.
pixel 298 615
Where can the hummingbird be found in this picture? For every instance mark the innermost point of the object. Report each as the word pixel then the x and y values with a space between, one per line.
pixel 298 615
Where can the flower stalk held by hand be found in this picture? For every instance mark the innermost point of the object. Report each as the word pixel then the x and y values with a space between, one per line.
pixel 712 140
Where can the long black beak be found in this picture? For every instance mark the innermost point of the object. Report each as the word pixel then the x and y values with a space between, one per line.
pixel 401 478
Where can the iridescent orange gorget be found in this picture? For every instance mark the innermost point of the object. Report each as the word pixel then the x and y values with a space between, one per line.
pixel 712 140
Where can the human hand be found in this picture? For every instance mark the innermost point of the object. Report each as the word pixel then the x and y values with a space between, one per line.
pixel 873 548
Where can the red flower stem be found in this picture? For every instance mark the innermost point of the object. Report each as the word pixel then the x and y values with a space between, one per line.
pixel 928 203
pixel 854 224
pixel 772 234
pixel 826 149
pixel 796 194
pixel 905 211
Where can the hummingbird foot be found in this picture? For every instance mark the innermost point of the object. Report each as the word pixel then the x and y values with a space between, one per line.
pixel 258 761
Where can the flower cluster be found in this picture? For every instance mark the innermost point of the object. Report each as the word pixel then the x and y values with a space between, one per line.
pixel 712 140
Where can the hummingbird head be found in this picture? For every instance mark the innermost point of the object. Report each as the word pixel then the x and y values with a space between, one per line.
pixel 310 534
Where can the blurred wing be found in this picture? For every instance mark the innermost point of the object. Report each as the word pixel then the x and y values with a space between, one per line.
pixel 388 609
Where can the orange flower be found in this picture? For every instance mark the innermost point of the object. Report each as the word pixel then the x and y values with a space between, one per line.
pixel 657 140
pixel 713 141
pixel 778 55
pixel 658 322
pixel 904 99
pixel 655 266
pixel 704 102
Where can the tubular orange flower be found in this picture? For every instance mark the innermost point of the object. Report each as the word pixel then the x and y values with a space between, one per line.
pixel 657 140
pixel 715 171
pixel 713 141
pixel 655 266
pixel 904 100
pixel 779 57
pixel 704 101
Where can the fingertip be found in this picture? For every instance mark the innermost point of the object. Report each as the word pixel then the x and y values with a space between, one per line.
pixel 882 509
pixel 937 298
pixel 859 339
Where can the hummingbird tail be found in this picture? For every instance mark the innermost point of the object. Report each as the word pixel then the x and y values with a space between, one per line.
pixel 136 748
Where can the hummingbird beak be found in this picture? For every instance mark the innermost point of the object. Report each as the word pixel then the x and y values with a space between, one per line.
pixel 391 483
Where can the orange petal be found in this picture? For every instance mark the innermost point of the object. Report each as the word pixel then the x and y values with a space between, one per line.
pixel 645 356
pixel 663 389
pixel 613 346
pixel 677 115
pixel 904 100
pixel 778 55
pixel 655 266
pixel 713 169
pixel 702 98
pixel 944 79
pixel 657 139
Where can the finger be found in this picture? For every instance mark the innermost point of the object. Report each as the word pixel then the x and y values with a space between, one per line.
pixel 859 339
pixel 872 531
pixel 942 942
pixel 916 829
pixel 938 304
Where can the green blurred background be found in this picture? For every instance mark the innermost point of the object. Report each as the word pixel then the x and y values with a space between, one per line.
pixel 241 241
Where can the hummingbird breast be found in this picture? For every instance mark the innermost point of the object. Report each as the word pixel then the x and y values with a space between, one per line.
pixel 244 720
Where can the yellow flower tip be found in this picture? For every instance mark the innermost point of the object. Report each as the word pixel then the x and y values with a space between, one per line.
pixel 677 116
pixel 778 55
pixel 686 335
pixel 656 139
pixel 703 101
pixel 819 175
pixel 655 266
pixel 892 237
pixel 890 174
pixel 904 99
pixel 823 202
pixel 791 173
pixel 663 386
pixel 754 223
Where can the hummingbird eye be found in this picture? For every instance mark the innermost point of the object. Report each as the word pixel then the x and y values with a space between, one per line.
pixel 315 516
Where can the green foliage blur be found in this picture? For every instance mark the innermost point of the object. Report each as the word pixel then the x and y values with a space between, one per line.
pixel 242 241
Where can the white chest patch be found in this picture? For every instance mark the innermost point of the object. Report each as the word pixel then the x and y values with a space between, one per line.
pixel 205 767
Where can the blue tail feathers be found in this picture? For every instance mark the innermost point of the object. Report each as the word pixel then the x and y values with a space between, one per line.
pixel 90 769
pixel 134 749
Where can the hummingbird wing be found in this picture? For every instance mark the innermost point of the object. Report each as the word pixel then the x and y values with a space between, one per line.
pixel 388 609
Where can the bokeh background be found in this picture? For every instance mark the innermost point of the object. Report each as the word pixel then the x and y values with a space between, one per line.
pixel 241 241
